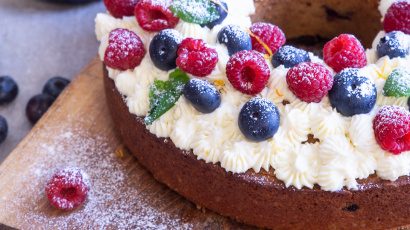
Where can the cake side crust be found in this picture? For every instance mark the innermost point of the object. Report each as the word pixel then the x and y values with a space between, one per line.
pixel 258 198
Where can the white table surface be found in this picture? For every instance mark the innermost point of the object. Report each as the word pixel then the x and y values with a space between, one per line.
pixel 39 40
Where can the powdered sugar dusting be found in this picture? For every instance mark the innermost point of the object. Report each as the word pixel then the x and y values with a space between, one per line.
pixel 114 201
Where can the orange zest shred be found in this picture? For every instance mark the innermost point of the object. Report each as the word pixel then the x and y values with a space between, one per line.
pixel 219 83
pixel 265 46
pixel 278 93
pixel 121 151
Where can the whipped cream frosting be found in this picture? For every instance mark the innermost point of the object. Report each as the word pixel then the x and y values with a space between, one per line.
pixel 347 150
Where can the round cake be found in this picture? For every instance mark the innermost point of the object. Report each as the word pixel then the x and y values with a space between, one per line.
pixel 234 117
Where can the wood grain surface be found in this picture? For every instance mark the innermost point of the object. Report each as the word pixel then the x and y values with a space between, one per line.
pixel 78 132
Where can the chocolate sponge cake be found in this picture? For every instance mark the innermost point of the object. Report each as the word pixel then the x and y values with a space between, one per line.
pixel 322 163
pixel 259 198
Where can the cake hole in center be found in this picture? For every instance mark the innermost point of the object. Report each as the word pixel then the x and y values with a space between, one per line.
pixel 321 21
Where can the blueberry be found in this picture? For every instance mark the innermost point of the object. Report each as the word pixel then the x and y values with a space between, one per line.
pixel 3 129
pixel 235 39
pixel 204 96
pixel 37 106
pixel 289 56
pixel 222 9
pixel 394 44
pixel 163 49
pixel 54 86
pixel 8 90
pixel 259 119
pixel 352 94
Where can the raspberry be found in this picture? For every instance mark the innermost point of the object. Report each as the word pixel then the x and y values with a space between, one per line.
pixel 398 17
pixel 120 8
pixel 125 50
pixel 155 15
pixel 309 81
pixel 271 35
pixel 392 129
pixel 67 189
pixel 196 58
pixel 344 51
pixel 248 72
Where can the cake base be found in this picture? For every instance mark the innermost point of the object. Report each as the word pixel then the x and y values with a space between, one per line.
pixel 259 198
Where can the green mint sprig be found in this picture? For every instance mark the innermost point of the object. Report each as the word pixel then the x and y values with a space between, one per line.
pixel 195 11
pixel 164 94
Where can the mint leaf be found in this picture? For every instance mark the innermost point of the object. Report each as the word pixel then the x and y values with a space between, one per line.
pixel 195 11
pixel 164 94
pixel 397 84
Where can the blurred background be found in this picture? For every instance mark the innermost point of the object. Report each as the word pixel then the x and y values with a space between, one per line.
pixel 40 40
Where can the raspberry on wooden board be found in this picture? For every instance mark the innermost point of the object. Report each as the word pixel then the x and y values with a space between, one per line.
pixel 67 189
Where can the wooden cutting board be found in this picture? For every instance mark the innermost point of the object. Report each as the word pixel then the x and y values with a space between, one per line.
pixel 77 131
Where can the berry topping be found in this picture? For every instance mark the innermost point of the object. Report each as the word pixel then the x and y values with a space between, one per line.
pixel 222 10
pixel 394 44
pixel 344 51
pixel 8 90
pixel 54 86
pixel 120 8
pixel 155 15
pixel 248 72
pixel 235 39
pixel 37 106
pixel 203 95
pixel 125 50
pixel 67 189
pixel 259 119
pixel 196 58
pixel 289 56
pixel 398 17
pixel 352 94
pixel 3 129
pixel 267 36
pixel 309 81
pixel 163 49
pixel 397 84
pixel 392 129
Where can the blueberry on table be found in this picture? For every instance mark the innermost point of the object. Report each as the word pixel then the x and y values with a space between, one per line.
pixel 222 9
pixel 163 49
pixel 3 129
pixel 235 39
pixel 37 106
pixel 352 94
pixel 394 44
pixel 8 90
pixel 259 119
pixel 203 95
pixel 289 56
pixel 54 86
